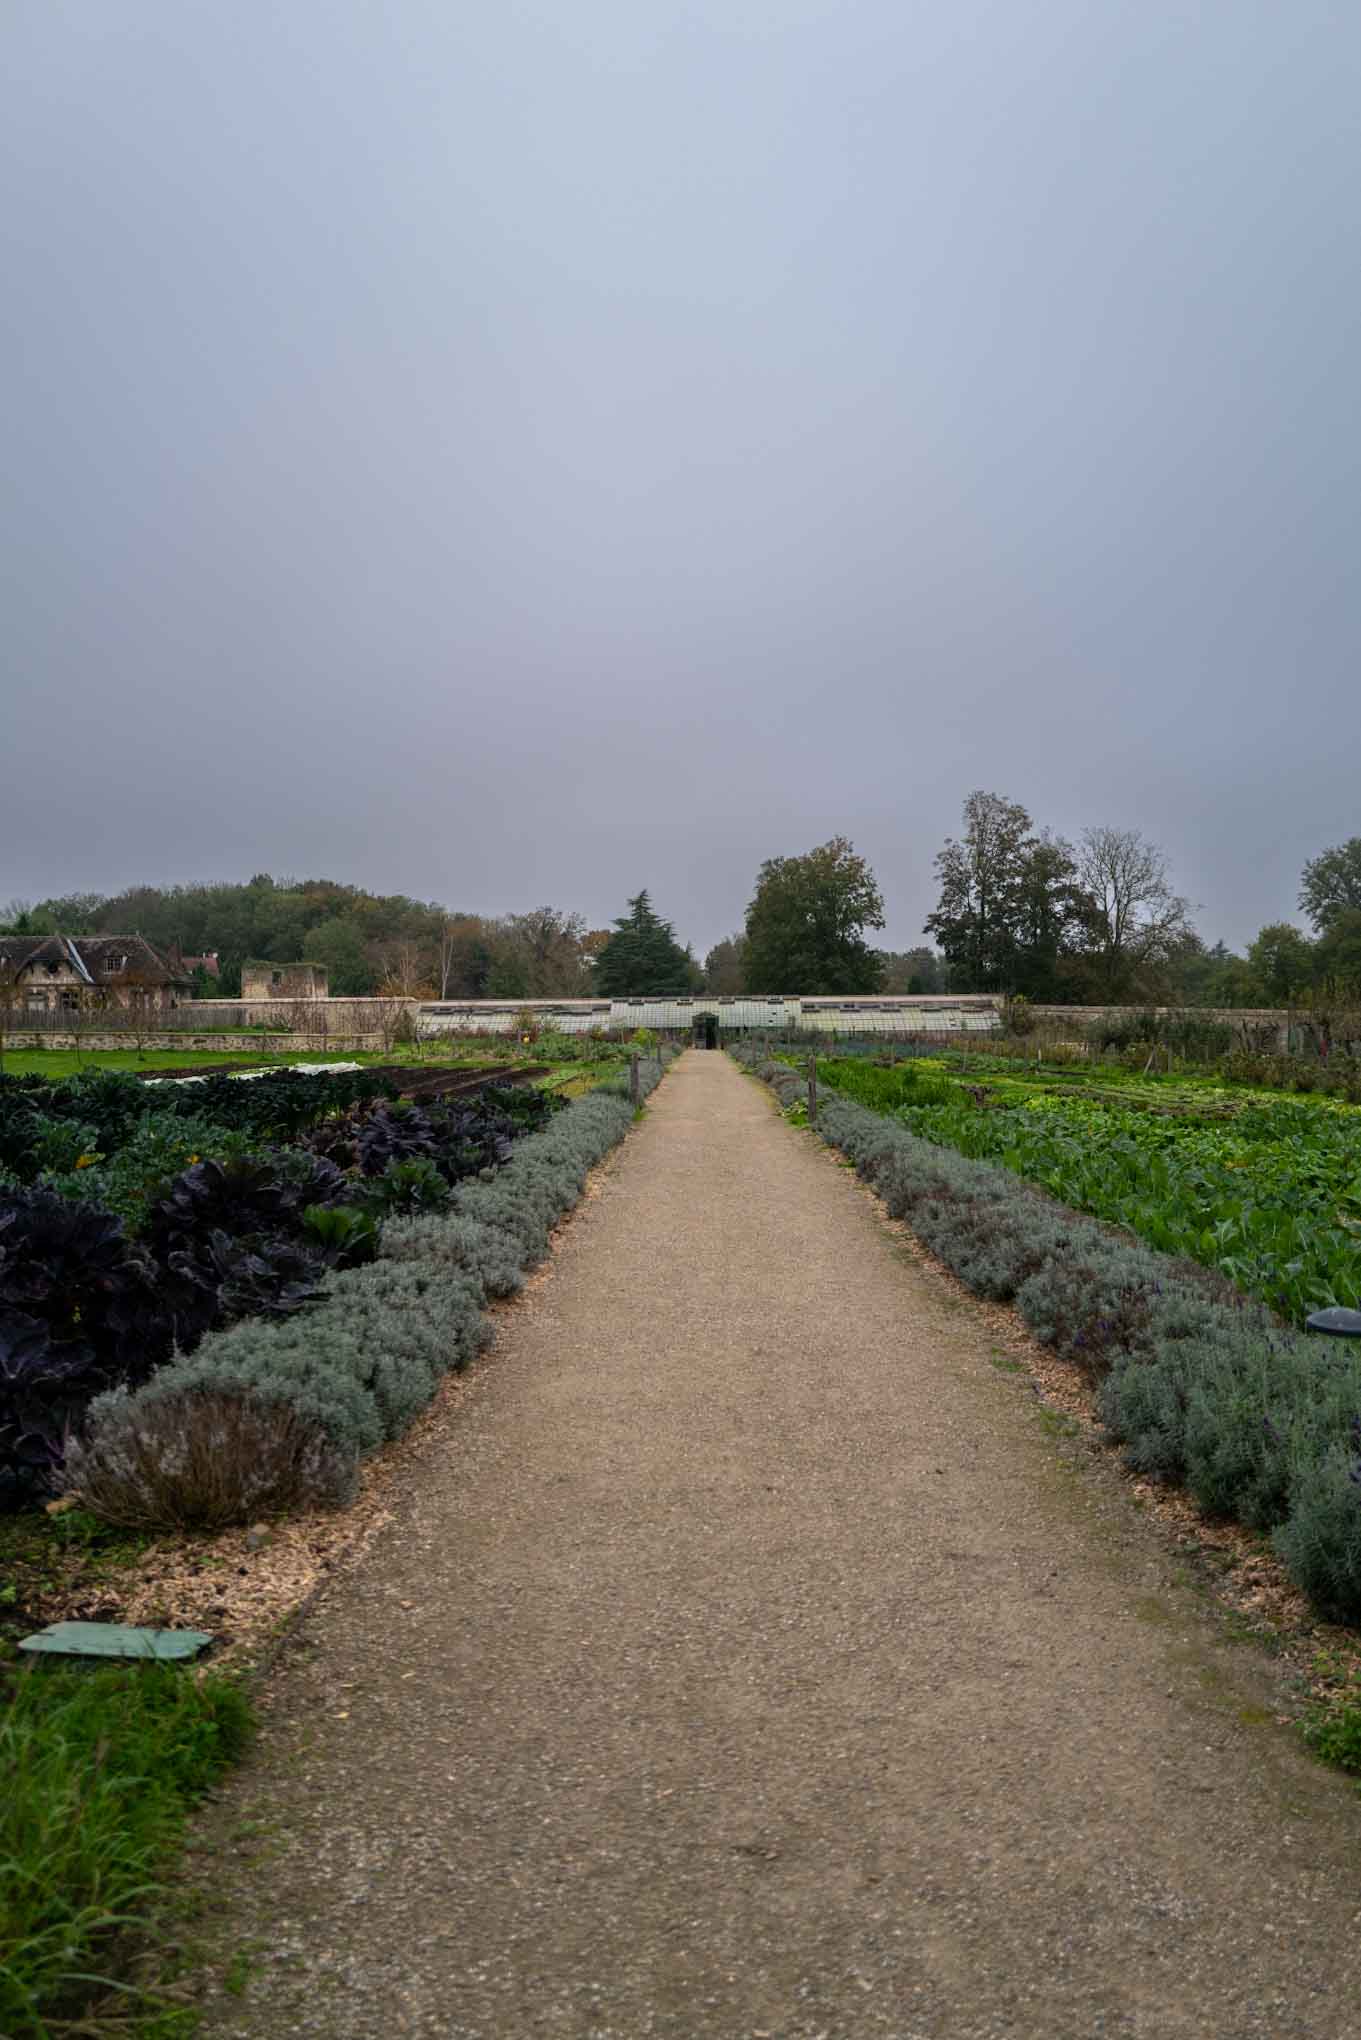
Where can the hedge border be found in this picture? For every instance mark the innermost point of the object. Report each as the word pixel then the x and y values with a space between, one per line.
pixel 1197 1382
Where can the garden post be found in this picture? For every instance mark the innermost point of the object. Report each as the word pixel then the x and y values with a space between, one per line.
pixel 633 1078
pixel 812 1089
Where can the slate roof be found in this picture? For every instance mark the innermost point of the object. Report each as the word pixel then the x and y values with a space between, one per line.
pixel 92 956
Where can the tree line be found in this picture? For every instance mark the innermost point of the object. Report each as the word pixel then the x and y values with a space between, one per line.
pixel 1024 912
pixel 1099 921
pixel 378 943
pixel 1020 911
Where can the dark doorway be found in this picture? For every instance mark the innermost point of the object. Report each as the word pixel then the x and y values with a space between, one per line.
pixel 706 1030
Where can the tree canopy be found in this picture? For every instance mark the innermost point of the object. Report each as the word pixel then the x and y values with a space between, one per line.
pixel 1282 961
pixel 1025 911
pixel 1330 884
pixel 725 967
pixel 367 941
pixel 806 923
pixel 1011 911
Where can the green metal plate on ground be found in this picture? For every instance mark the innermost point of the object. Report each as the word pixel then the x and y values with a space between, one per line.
pixel 116 1640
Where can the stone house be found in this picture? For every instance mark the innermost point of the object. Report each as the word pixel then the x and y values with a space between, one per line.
pixel 284 980
pixel 81 973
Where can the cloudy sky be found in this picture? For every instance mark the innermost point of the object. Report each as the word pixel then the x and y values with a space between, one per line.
pixel 516 451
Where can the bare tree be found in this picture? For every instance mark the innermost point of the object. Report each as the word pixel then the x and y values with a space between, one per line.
pixel 463 956
pixel 11 1004
pixel 548 946
pixel 392 1017
pixel 448 952
pixel 1133 918
pixel 137 990
pixel 406 972
pixel 84 1008
pixel 308 1021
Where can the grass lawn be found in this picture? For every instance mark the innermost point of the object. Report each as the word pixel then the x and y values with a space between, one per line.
pixel 572 1078
pixel 66 1062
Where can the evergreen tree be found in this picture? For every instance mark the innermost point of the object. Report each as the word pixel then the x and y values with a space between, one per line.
pixel 642 957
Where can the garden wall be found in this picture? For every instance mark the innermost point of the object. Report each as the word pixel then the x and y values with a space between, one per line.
pixel 267 1044
pixel 1076 1019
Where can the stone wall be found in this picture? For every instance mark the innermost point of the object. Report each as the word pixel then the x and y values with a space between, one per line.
pixel 270 981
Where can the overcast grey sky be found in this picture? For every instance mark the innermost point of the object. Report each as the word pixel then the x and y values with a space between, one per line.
pixel 515 451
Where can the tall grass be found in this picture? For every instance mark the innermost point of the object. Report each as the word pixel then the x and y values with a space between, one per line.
pixel 97 1772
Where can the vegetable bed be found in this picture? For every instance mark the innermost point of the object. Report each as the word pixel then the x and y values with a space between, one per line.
pixel 1264 1190
pixel 135 1222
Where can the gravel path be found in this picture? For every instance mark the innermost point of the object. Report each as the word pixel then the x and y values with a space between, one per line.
pixel 753 1662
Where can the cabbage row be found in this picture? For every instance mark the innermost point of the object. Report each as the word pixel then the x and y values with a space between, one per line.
pixel 273 1414
pixel 134 1223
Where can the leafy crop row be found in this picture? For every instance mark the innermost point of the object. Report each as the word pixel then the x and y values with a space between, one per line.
pixel 1267 1193
pixel 45 1127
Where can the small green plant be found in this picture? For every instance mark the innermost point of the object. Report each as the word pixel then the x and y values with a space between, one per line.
pixel 348 1237
pixel 407 1187
pixel 1332 1726
pixel 237 1974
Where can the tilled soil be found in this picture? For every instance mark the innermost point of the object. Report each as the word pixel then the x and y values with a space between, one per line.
pixel 420 1083
pixel 751 1660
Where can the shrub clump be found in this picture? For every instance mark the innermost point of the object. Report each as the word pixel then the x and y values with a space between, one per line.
pixel 196 1458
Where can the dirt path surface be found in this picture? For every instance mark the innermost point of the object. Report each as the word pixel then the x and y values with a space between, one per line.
pixel 753 1662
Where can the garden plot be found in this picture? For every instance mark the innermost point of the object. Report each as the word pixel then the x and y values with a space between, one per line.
pixel 137 1221
pixel 1264 1189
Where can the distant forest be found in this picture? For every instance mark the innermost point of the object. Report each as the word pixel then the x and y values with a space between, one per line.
pixel 1020 911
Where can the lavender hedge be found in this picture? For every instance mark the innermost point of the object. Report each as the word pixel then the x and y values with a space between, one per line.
pixel 1197 1383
